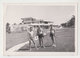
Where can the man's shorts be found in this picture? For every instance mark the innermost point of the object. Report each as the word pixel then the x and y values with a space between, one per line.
pixel 40 35
pixel 51 34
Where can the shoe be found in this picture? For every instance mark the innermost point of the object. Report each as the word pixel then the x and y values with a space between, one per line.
pixel 54 45
pixel 40 47
pixel 30 50
pixel 43 46
pixel 36 48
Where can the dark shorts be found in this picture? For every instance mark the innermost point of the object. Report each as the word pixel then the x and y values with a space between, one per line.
pixel 51 34
pixel 40 35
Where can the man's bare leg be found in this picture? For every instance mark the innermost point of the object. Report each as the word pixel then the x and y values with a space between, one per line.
pixel 30 45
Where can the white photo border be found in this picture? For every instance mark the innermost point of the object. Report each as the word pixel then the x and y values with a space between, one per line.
pixel 40 53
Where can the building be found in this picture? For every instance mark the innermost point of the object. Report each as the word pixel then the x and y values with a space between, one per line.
pixel 27 22
pixel 35 22
pixel 31 20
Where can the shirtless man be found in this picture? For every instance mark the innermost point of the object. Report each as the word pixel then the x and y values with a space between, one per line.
pixel 31 36
pixel 52 35
pixel 40 36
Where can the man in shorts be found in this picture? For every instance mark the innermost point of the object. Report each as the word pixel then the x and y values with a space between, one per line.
pixel 52 35
pixel 31 36
pixel 40 36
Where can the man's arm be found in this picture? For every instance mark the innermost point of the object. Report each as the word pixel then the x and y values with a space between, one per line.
pixel 54 32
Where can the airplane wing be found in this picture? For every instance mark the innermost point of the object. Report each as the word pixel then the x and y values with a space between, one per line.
pixel 40 24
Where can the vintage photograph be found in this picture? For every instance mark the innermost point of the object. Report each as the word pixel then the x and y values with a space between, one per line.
pixel 40 28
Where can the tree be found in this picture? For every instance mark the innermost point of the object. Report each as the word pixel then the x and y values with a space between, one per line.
pixel 70 23
pixel 8 27
pixel 63 24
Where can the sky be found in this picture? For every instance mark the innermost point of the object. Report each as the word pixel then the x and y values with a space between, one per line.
pixel 57 14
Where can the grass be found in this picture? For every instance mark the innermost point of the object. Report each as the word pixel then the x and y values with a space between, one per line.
pixel 65 41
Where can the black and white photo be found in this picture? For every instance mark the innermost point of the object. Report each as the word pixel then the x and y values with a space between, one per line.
pixel 40 28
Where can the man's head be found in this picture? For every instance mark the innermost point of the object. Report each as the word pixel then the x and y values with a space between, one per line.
pixel 51 25
pixel 38 26
pixel 31 28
